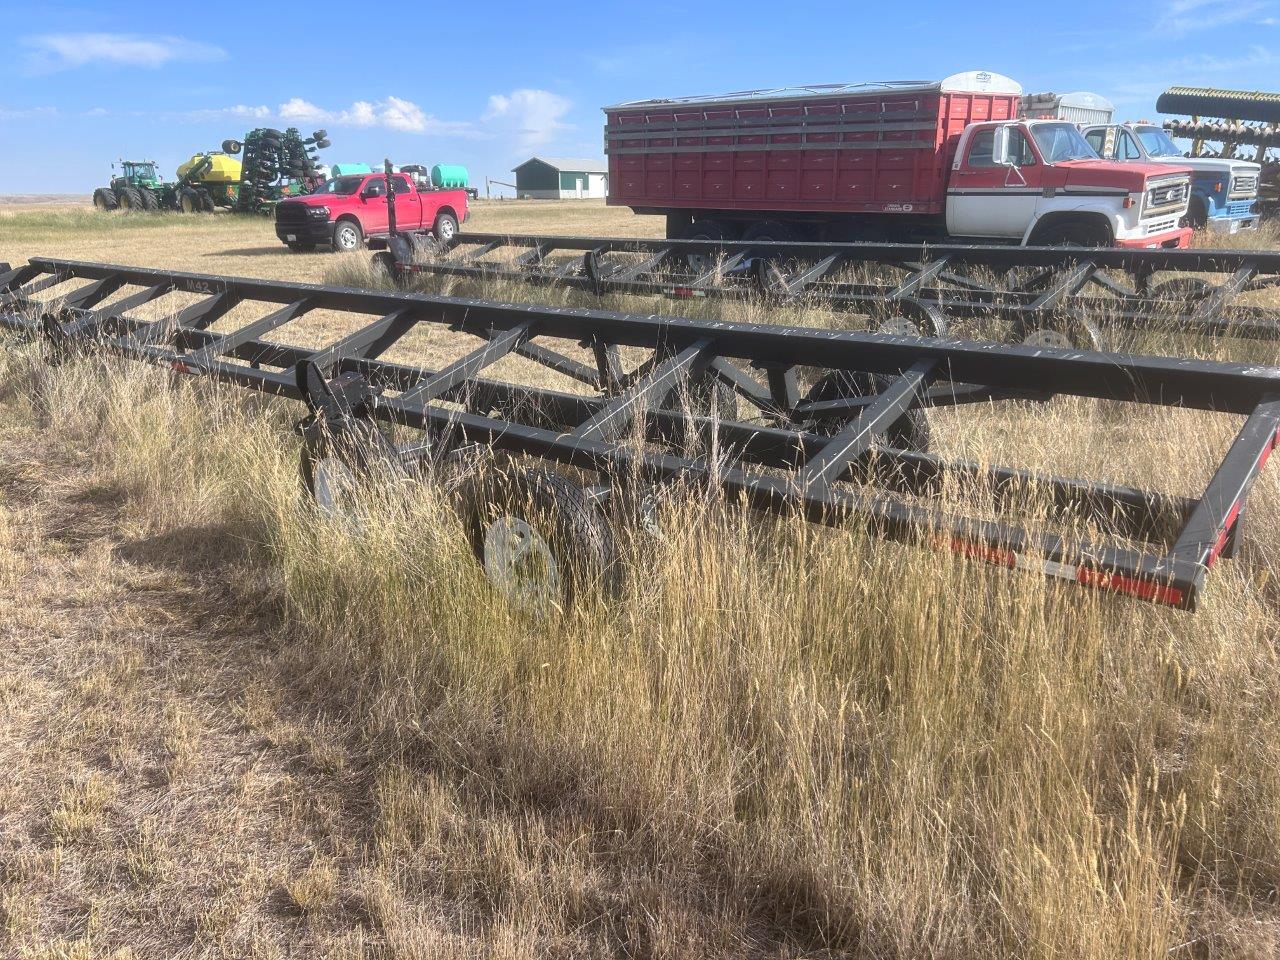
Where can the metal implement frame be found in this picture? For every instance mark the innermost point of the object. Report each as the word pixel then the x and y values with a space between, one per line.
pixel 779 464
pixel 932 284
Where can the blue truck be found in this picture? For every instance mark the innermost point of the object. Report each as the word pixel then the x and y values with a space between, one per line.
pixel 1224 193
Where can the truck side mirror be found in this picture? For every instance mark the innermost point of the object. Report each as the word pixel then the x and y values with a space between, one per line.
pixel 1000 151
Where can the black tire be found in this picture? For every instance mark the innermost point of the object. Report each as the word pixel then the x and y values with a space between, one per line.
pixel 704 396
pixel 1072 235
pixel 566 545
pixel 104 201
pixel 1197 214
pixel 232 147
pixel 332 474
pixel 129 199
pixel 911 432
pixel 299 246
pixel 713 230
pixel 206 200
pixel 150 202
pixel 188 200
pixel 445 228
pixel 772 231
pixel 1183 289
pixel 347 236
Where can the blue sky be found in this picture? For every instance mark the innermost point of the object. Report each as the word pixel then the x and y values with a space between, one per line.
pixel 81 84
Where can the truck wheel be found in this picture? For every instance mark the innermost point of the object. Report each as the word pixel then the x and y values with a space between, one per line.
pixel 149 201
pixel 540 540
pixel 445 228
pixel 129 199
pixel 770 231
pixel 1197 214
pixel 714 230
pixel 188 201
pixel 104 200
pixel 911 432
pixel 1073 235
pixel 347 236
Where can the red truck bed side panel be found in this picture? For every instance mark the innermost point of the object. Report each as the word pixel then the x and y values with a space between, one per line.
pixel 855 153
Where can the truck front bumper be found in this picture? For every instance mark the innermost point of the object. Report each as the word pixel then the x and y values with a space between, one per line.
pixel 317 233
pixel 1176 239
pixel 1238 215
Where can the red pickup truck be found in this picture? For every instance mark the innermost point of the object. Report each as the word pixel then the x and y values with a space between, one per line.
pixel 345 211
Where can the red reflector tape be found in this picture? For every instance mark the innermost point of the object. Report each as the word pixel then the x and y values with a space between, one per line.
pixel 972 550
pixel 1223 536
pixel 178 366
pixel 1143 589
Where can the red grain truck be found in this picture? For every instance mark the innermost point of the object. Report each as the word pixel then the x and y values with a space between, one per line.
pixel 905 161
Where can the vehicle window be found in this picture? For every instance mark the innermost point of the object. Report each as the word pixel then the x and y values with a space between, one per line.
pixel 1128 148
pixel 1157 142
pixel 984 142
pixel 401 184
pixel 340 186
pixel 1095 138
pixel 1061 141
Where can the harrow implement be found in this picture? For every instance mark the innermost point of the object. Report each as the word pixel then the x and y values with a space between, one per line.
pixel 1050 296
pixel 851 449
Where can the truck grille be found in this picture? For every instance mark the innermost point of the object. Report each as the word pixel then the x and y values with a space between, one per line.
pixel 1165 194
pixel 1246 186
pixel 291 213
pixel 1152 227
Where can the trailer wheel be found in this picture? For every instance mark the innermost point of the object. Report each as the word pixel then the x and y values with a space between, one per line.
pixel 347 236
pixel 206 200
pixel 104 200
pixel 1186 289
pixel 911 432
pixel 189 201
pixel 1059 333
pixel 540 540
pixel 914 318
pixel 328 475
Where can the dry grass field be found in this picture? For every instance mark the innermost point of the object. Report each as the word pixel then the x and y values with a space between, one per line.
pixel 234 730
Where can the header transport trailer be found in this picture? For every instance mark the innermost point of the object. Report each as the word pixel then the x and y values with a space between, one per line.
pixel 901 161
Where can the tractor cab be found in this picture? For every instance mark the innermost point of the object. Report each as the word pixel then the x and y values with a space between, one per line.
pixel 139 173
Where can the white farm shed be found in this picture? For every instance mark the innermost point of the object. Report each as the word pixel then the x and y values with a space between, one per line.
pixel 561 178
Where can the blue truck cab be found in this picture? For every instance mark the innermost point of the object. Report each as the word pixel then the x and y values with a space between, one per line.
pixel 1224 193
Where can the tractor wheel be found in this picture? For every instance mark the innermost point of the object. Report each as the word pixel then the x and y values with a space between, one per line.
pixel 189 201
pixel 129 199
pixel 104 200
pixel 347 236
pixel 150 202
pixel 540 540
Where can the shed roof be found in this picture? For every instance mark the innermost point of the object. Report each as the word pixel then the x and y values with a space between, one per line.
pixel 569 164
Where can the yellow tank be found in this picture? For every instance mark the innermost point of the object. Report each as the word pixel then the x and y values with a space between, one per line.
pixel 225 169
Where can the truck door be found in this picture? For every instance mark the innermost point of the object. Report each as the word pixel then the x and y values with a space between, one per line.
pixel 985 199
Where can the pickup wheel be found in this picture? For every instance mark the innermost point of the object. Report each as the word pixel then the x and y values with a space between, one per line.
pixel 301 247
pixel 347 236
pixel 445 228
pixel 1197 214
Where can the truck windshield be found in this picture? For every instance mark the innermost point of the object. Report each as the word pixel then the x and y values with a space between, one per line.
pixel 1061 141
pixel 341 186
pixel 1157 142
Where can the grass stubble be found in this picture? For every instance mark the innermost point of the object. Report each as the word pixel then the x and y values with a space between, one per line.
pixel 235 729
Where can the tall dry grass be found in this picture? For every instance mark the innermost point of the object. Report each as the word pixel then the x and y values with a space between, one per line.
pixel 780 739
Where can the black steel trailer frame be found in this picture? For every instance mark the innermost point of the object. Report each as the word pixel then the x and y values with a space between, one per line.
pixel 1034 288
pixel 780 464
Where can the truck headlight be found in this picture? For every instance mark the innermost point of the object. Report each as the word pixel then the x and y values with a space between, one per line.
pixel 319 213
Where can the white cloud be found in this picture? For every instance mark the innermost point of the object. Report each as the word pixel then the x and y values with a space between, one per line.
pixel 393 113
pixel 63 51
pixel 28 113
pixel 1186 16
pixel 533 117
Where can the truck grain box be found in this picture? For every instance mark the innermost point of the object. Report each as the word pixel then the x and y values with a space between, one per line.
pixel 905 161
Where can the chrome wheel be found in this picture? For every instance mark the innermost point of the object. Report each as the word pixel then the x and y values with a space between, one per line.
pixel 334 486
pixel 346 237
pixel 520 563
pixel 899 327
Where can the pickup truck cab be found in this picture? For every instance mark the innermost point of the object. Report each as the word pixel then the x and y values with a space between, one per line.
pixel 1040 182
pixel 1224 193
pixel 348 210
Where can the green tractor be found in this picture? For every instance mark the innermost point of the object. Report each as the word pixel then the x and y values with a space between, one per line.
pixel 139 187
